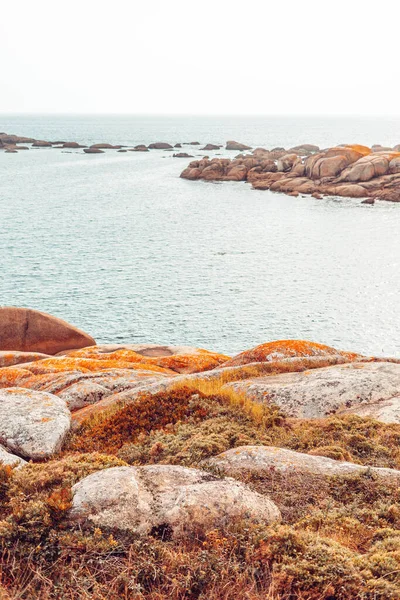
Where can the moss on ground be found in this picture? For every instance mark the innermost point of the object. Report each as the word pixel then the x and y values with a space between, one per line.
pixel 339 540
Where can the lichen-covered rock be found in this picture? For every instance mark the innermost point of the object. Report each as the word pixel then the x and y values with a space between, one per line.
pixel 262 460
pixel 368 167
pixel 28 330
pixel 179 359
pixel 282 349
pixel 319 392
pixel 8 459
pixel 165 499
pixel 83 393
pixel 9 359
pixel 331 162
pixel 32 424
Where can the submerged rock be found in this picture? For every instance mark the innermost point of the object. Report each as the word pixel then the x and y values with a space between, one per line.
pixel 103 146
pixel 139 148
pixel 28 330
pixel 167 500
pixel 93 151
pixel 72 145
pixel 32 424
pixel 42 144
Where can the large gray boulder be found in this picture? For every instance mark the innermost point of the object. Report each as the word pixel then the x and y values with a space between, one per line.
pixel 317 393
pixel 261 460
pixel 32 424
pixel 165 498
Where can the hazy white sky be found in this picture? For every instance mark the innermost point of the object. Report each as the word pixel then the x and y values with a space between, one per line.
pixel 188 56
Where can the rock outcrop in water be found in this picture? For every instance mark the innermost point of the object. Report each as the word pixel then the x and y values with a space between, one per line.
pixel 351 171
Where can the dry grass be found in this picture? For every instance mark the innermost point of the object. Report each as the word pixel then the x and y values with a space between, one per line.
pixel 340 537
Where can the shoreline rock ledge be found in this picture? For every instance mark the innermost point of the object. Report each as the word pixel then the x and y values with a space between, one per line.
pixel 352 171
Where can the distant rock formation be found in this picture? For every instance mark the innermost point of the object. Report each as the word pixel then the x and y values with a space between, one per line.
pixel 353 171
pixel 93 150
pixel 232 145
pixel 160 146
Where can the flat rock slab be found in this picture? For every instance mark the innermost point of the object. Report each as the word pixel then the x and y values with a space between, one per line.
pixel 259 460
pixel 170 500
pixel 32 424
pixel 386 411
pixel 6 458
pixel 320 392
pixel 30 330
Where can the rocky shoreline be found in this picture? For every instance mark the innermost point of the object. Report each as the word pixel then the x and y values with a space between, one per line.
pixel 349 170
pixel 179 446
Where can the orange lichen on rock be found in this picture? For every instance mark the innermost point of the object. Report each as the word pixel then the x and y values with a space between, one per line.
pixel 9 358
pixel 193 363
pixel 284 349
pixel 13 377
pixel 171 358
pixel 86 365
pixel 364 150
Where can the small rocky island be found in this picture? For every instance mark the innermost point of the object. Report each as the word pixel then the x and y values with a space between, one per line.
pixel 126 467
pixel 352 171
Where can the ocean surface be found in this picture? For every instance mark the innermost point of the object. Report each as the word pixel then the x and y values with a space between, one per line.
pixel 120 246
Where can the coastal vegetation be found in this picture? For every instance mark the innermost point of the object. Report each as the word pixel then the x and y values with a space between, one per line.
pixel 339 537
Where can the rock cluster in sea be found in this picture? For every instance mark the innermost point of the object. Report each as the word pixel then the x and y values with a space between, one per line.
pixel 352 171
pixel 349 170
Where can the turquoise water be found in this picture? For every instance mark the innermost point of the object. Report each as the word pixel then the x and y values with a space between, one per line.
pixel 119 245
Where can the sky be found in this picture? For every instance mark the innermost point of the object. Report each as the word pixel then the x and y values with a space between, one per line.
pixel 206 57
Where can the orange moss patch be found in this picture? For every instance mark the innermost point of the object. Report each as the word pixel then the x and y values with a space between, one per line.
pixel 147 413
pixel 283 349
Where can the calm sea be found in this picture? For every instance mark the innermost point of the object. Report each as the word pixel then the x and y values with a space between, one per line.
pixel 122 247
